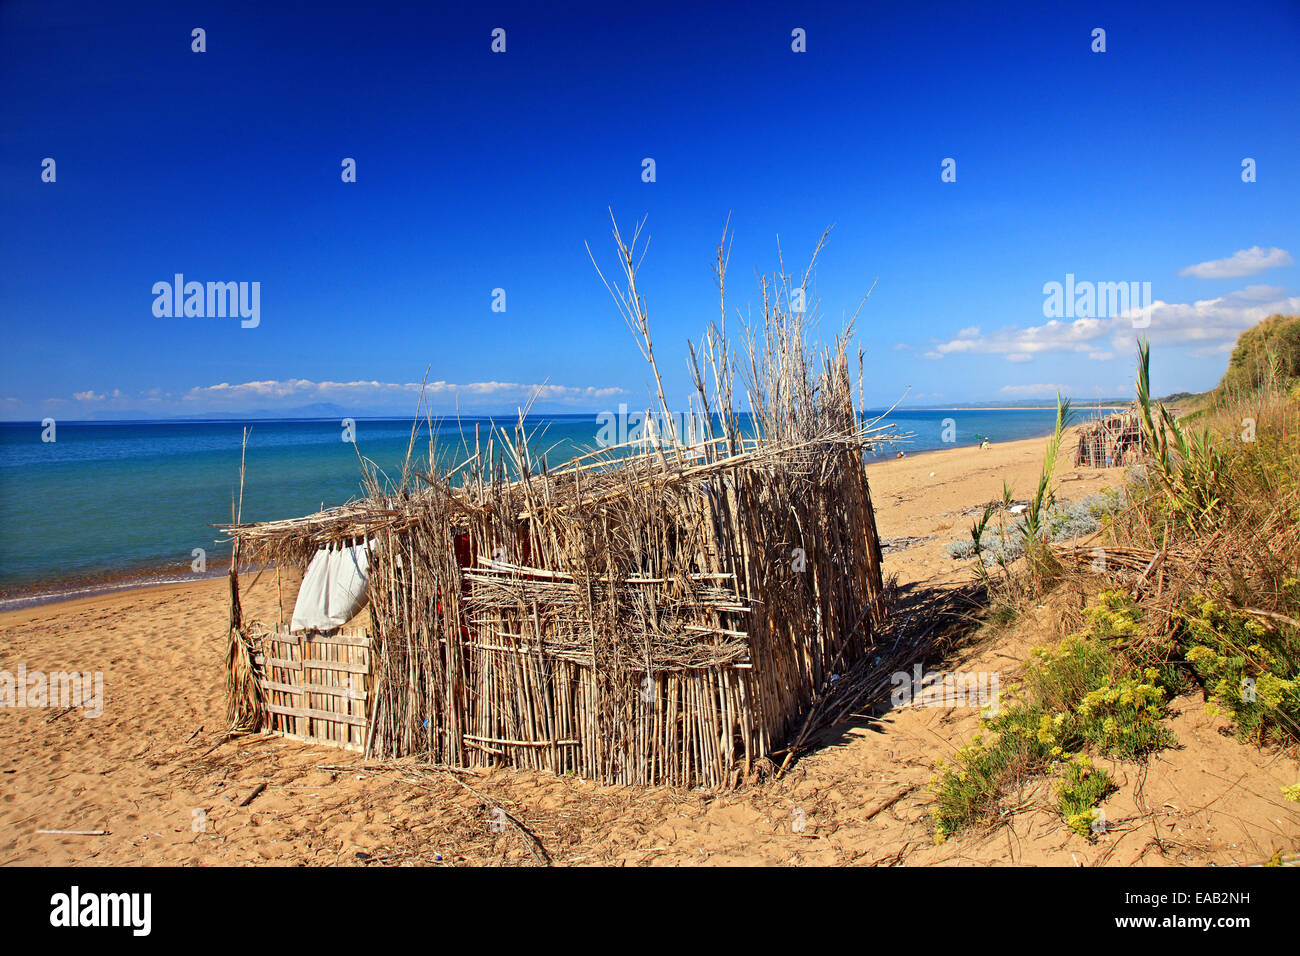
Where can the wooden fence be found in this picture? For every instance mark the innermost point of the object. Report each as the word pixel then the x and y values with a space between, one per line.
pixel 316 687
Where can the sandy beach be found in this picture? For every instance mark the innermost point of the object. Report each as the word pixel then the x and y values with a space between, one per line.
pixel 157 776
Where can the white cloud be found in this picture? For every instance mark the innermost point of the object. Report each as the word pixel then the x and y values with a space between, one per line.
pixel 1206 323
pixel 1244 262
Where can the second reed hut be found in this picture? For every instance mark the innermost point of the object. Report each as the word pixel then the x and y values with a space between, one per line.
pixel 1111 441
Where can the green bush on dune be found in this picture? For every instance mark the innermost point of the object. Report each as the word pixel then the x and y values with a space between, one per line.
pixel 1221 500
pixel 1266 355
pixel 1248 668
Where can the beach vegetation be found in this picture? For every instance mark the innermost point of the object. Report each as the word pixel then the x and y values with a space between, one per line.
pixel 1249 669
pixel 1090 695
pixel 1218 507
pixel 1189 582
pixel 1079 793
pixel 1265 358
pixel 1065 521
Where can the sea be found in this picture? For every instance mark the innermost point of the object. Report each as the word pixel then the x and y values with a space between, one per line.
pixel 109 505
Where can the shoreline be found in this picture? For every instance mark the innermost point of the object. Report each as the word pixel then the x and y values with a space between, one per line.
pixel 40 586
pixel 63 590
pixel 144 578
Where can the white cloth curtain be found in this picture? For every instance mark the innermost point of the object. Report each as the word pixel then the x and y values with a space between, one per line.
pixel 334 588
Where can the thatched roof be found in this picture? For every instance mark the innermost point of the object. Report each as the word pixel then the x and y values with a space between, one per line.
pixel 599 477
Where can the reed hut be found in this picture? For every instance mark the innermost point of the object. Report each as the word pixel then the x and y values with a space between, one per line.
pixel 1111 441
pixel 657 612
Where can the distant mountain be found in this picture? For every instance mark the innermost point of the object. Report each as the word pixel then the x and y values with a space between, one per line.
pixel 315 410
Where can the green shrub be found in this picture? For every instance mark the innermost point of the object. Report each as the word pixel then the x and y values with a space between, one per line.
pixel 1125 720
pixel 1081 789
pixel 1265 355
pixel 969 791
pixel 1084 694
pixel 1249 667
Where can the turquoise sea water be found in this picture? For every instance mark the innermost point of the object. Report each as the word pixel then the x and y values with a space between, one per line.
pixel 126 502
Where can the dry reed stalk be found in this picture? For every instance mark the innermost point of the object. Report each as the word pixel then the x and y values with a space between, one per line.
pixel 243 688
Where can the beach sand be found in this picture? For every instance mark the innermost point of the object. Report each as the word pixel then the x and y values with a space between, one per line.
pixel 156 772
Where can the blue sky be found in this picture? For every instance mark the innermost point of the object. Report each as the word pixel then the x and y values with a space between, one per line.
pixel 478 171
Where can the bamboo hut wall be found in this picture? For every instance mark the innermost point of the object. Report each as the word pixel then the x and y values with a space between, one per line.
pixel 669 635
